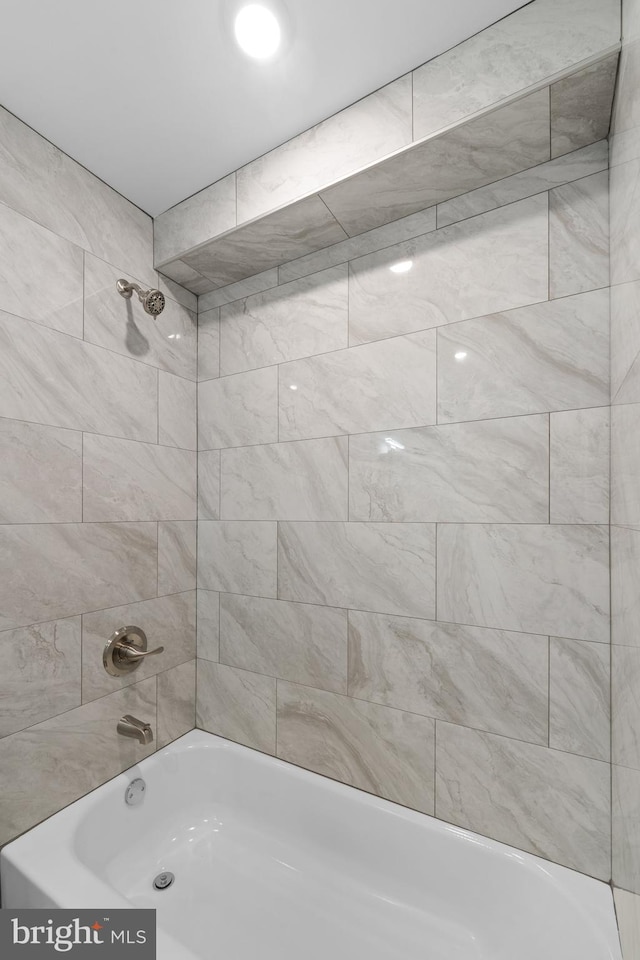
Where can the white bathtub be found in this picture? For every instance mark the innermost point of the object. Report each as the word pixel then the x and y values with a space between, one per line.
pixel 275 863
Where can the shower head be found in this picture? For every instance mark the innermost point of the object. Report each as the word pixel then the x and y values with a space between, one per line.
pixel 151 300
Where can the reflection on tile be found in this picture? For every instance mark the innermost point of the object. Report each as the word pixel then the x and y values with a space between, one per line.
pixel 625 460
pixel 54 763
pixel 628 917
pixel 240 290
pixel 125 480
pixel 494 146
pixel 549 356
pixel 534 578
pixel 581 106
pixel 579 236
pixel 626 828
pixel 238 557
pixel 236 704
pixel 625 576
pixel 579 714
pixel 386 752
pixel 493 262
pixel 40 473
pixel 176 412
pixel 56 299
pixel 209 344
pixel 489 679
pixel 579 472
pixel 299 319
pixel 492 470
pixel 209 485
pixel 169 622
pixel 49 571
pixel 625 695
pixel 382 567
pixel 176 702
pixel 292 641
pixel 238 410
pixel 303 480
pixel 625 343
pixel 176 556
pixel 479 780
pixel 391 383
pixel 40 673
pixel 208 624
pixel 198 218
pixel 51 378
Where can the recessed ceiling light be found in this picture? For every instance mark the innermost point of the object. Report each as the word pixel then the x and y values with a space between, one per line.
pixel 403 266
pixel 257 31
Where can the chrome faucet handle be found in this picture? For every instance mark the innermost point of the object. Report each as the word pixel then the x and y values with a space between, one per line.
pixel 126 650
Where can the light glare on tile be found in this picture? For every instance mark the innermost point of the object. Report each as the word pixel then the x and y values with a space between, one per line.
pixel 460 355
pixel 403 266
pixel 257 31
pixel 393 443
pixel 293 386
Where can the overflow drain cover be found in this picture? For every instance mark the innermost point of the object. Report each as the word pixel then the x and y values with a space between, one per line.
pixel 163 880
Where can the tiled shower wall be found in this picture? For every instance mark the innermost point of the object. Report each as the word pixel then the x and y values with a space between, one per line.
pixel 403 539
pixel 97 482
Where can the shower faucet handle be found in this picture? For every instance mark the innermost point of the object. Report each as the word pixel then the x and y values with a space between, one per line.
pixel 126 650
pixel 129 653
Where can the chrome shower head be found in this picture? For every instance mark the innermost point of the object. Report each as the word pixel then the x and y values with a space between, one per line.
pixel 151 300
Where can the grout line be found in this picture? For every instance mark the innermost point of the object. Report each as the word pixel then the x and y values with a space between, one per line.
pixel 549 692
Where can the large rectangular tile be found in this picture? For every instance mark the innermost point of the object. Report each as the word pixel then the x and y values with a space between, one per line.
pixel 40 673
pixel 238 557
pixel 493 262
pixel 491 470
pixel 625 463
pixel 209 484
pixel 291 641
pixel 549 356
pixel 177 420
pixel 126 480
pixel 389 568
pixel 498 787
pixel 625 209
pixel 579 698
pixel 56 298
pixel 51 378
pixel 299 480
pixel 195 220
pixel 579 236
pixel 168 622
pixel 488 679
pixel 625 576
pixel 236 704
pixel 176 556
pixel 238 410
pixel 628 917
pixel 51 571
pixel 208 631
pixel 581 106
pixel 383 751
pixel 40 473
pixel 387 384
pixel 625 697
pixel 625 342
pixel 579 469
pixel 209 344
pixel 539 579
pixel 297 319
pixel 176 702
pixel 626 828
pixel 240 290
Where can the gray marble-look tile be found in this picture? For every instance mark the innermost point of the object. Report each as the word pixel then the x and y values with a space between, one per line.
pixel 498 787
pixel 238 410
pixel 493 262
pixel 197 219
pixel 488 679
pixel 55 762
pixel 208 632
pixel 628 917
pixel 299 319
pixel 127 480
pixel 374 748
pixel 209 485
pixel 51 378
pixel 625 342
pixel 241 289
pixel 331 150
pixel 238 557
pixel 532 44
pixel 176 702
pixel 579 466
pixel 40 673
pixel 549 356
pixel 624 199
pixel 579 698
pixel 579 236
pixel 209 344
pixel 236 704
pixel 544 176
pixel 300 642
pixel 55 297
pixel 625 576
pixel 40 473
pixel 176 556
pixel 175 291
pixel 581 106
pixel 300 480
pixel 493 146
pixel 490 470
pixel 625 464
pixel 189 278
pixel 626 829
pixel 168 341
pixel 535 578
pixel 388 384
pixel 386 568
pixel 177 426
pixel 625 697
pixel 168 622
pixel 51 571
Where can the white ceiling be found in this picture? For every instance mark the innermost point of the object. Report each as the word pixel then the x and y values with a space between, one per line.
pixel 155 97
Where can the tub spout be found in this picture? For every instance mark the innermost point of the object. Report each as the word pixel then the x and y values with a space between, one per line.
pixel 129 726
